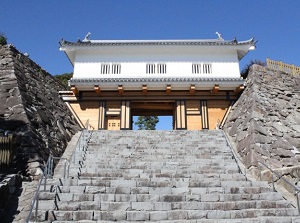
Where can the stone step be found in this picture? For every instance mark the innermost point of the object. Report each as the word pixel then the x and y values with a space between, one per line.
pixel 208 170
pixel 163 215
pixel 153 142
pixel 159 143
pixel 176 154
pixel 88 173
pixel 165 203
pixel 158 164
pixel 144 191
pixel 261 219
pixel 153 182
pixel 159 161
pixel 98 193
pixel 166 144
pixel 94 160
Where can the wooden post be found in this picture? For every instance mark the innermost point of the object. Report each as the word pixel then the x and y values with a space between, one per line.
pixel 180 115
pixel 125 115
pixel 204 114
pixel 280 66
pixel 268 62
pixel 293 69
pixel 101 121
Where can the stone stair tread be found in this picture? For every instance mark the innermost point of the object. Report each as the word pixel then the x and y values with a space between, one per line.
pixel 141 174
pixel 164 204
pixel 146 215
pixel 49 194
pixel 244 220
pixel 161 196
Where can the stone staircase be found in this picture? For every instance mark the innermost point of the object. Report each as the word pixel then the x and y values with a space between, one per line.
pixel 160 176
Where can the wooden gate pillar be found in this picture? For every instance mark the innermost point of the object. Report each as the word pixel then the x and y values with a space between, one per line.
pixel 204 114
pixel 102 108
pixel 125 115
pixel 180 115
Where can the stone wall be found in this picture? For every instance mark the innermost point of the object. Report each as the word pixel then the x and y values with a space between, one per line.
pixel 8 187
pixel 31 109
pixel 264 124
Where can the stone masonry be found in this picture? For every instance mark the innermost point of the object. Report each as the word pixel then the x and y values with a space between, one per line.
pixel 31 109
pixel 264 124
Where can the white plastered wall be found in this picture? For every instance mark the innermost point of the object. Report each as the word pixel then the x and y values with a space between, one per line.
pixel 178 61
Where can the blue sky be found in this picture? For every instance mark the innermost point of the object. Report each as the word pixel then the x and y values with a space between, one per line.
pixel 36 26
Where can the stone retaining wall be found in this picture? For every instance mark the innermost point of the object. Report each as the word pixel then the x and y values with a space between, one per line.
pixel 264 124
pixel 8 186
pixel 31 108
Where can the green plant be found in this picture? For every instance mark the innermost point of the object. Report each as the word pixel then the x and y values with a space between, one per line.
pixel 147 122
pixel 64 78
pixel 3 39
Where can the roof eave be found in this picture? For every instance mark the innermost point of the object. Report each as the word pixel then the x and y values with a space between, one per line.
pixel 214 42
pixel 242 54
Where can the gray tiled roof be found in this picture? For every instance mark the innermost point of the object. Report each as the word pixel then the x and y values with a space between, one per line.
pixel 215 42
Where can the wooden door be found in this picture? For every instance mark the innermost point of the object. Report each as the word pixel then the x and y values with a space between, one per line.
pixel 113 123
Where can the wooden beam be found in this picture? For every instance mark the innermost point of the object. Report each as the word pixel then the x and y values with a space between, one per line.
pixel 97 89
pixel 192 89
pixel 239 89
pixel 120 89
pixel 144 88
pixel 168 89
pixel 215 89
pixel 74 89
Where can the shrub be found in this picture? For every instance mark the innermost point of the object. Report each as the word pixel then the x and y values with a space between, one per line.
pixel 246 69
pixel 3 39
pixel 63 78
